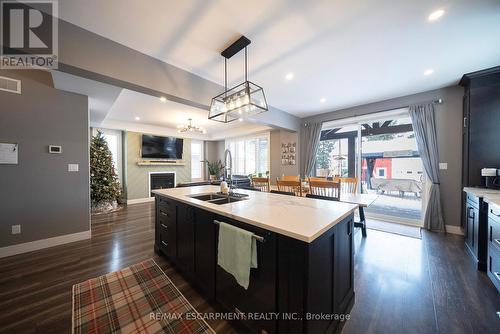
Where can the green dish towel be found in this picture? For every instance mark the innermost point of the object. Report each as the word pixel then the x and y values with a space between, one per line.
pixel 237 252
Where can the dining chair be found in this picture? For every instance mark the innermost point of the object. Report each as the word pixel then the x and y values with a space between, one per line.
pixel 290 186
pixel 261 183
pixel 322 197
pixel 325 188
pixel 348 185
pixel 289 193
pixel 317 178
pixel 290 178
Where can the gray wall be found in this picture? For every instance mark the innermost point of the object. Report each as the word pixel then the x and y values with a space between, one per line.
pixel 39 193
pixel 137 177
pixel 449 132
pixel 214 150
pixel 277 137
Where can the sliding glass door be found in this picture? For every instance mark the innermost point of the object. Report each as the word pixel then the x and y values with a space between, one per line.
pixel 337 154
pixel 385 161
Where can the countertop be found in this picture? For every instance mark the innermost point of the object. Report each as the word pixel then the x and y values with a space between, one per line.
pixel 491 196
pixel 300 218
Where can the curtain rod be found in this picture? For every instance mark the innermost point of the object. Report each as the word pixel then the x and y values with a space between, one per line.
pixel 435 101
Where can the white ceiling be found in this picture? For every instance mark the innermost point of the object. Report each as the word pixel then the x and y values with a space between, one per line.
pixel 116 108
pixel 153 112
pixel 350 52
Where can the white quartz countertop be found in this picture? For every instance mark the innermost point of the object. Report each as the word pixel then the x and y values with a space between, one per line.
pixel 301 218
pixel 490 196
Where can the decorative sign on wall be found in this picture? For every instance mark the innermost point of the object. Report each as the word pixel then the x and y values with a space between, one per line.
pixel 8 153
pixel 288 152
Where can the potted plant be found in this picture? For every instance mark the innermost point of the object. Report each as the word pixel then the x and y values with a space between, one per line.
pixel 214 169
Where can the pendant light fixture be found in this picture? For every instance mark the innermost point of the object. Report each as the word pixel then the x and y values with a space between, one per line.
pixel 190 127
pixel 244 100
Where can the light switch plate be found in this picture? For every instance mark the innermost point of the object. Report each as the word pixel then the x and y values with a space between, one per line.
pixel 16 229
pixel 73 167
pixel 443 165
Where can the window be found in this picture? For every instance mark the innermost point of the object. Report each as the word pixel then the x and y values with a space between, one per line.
pixel 250 154
pixel 381 172
pixel 196 160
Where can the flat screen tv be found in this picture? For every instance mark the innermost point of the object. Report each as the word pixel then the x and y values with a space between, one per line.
pixel 156 147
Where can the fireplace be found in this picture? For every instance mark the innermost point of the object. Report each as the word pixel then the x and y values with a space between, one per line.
pixel 161 180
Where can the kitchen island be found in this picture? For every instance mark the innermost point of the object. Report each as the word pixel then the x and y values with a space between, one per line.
pixel 304 280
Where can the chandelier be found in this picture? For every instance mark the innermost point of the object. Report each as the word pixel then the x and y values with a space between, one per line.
pixel 189 127
pixel 243 100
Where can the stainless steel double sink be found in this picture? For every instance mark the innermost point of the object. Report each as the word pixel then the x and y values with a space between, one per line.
pixel 218 199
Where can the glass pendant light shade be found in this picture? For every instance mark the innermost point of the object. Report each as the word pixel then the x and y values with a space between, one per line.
pixel 245 100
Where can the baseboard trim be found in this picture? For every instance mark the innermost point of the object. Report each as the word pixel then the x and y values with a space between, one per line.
pixel 140 200
pixel 453 229
pixel 43 243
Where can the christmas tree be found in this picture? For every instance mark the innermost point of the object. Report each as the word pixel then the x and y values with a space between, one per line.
pixel 104 186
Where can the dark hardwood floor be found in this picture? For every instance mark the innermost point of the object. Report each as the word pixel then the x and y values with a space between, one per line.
pixel 403 285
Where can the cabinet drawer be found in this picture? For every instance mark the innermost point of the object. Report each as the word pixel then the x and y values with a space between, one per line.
pixel 494 213
pixel 165 215
pixel 494 266
pixel 493 233
pixel 165 204
pixel 473 200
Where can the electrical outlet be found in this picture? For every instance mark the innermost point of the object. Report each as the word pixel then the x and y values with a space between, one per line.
pixel 73 167
pixel 443 165
pixel 16 229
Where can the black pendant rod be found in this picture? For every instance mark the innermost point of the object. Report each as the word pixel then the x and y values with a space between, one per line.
pixel 246 67
pixel 225 77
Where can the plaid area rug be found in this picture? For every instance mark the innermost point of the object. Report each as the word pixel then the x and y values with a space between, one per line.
pixel 136 299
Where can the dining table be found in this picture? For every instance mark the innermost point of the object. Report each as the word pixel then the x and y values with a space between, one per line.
pixel 361 200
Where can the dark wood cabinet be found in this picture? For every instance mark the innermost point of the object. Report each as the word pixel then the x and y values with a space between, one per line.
pixel 475 229
pixel 481 124
pixel 166 227
pixel 205 253
pixel 260 297
pixel 493 261
pixel 294 279
pixel 185 238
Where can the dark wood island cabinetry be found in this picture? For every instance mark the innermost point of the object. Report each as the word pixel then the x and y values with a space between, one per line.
pixel 298 286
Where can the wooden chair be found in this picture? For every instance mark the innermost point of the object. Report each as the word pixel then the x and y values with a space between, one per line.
pixel 348 185
pixel 318 179
pixel 322 197
pixel 290 178
pixel 289 193
pixel 325 188
pixel 290 186
pixel 261 183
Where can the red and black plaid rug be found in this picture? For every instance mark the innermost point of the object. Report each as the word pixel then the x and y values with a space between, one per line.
pixel 137 299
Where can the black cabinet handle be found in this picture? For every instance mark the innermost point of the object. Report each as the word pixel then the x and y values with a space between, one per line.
pixel 164 226
pixel 473 214
pixel 493 213
pixel 164 243
pixel 497 275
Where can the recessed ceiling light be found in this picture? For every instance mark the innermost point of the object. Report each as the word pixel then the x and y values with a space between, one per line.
pixel 240 119
pixel 436 15
pixel 428 71
pixel 163 99
pixel 322 100
pixel 289 76
pixel 137 118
